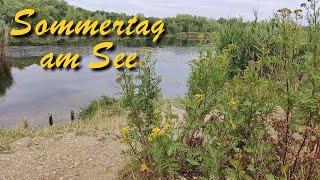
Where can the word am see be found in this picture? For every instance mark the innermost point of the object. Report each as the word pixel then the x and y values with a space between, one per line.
pixel 91 28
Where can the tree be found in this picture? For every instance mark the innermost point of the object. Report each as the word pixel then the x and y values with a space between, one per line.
pixel 4 38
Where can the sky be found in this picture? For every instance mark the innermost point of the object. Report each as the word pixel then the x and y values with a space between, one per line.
pixel 207 8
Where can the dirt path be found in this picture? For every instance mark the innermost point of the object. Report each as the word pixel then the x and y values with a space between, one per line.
pixel 63 157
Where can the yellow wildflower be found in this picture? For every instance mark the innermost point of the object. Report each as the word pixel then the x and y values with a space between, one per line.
pixel 232 46
pixel 233 103
pixel 125 131
pixel 166 126
pixel 198 97
pixel 157 111
pixel 144 167
pixel 155 132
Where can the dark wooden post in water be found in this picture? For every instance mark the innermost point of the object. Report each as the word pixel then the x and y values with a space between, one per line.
pixel 72 115
pixel 50 119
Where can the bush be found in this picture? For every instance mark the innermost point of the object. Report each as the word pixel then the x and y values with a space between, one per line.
pixel 92 108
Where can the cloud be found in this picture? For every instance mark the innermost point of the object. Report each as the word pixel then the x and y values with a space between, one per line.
pixel 208 8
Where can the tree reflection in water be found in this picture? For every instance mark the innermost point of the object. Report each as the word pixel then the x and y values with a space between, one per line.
pixel 6 79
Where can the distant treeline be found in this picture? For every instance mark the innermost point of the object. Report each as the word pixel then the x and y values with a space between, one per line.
pixel 59 9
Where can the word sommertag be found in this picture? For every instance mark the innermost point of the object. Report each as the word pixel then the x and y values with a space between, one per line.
pixel 91 28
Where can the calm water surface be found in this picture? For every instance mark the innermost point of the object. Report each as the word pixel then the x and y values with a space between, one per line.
pixel 31 92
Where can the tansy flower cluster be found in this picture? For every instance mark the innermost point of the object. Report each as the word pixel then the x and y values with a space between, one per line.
pixel 198 97
pixel 233 103
pixel 157 111
pixel 125 132
pixel 157 131
pixel 232 46
pixel 144 167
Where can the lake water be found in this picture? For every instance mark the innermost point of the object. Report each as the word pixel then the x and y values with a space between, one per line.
pixel 29 92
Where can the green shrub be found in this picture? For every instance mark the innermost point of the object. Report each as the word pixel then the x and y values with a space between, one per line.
pixel 91 109
pixel 148 134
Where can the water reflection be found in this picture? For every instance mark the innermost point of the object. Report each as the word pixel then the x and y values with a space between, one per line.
pixel 24 62
pixel 36 92
pixel 6 79
pixel 147 42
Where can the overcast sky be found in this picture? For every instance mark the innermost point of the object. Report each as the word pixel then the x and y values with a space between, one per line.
pixel 207 8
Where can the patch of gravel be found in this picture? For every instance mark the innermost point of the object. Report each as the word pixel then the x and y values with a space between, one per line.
pixel 64 157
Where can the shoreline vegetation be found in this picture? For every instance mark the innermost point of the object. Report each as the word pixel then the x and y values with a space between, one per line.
pixel 251 111
pixel 182 26
pixel 166 40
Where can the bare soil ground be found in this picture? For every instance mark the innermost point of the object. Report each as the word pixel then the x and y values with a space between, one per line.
pixel 89 149
pixel 64 156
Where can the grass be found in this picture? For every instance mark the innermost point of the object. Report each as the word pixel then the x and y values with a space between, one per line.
pixel 91 109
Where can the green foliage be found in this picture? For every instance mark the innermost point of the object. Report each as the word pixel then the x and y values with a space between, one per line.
pixel 4 38
pixel 249 38
pixel 90 110
pixel 148 133
pixel 252 110
pixel 264 116
pixel 188 23
pixel 4 33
